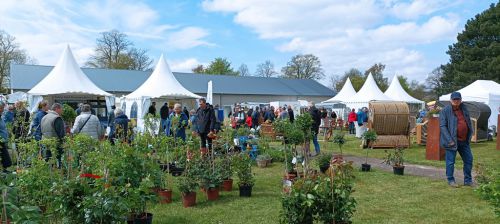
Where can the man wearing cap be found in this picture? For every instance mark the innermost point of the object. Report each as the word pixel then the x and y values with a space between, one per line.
pixel 456 132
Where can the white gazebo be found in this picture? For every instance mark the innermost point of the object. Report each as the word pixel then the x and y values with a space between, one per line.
pixel 368 92
pixel 485 91
pixel 344 94
pixel 66 78
pixel 397 93
pixel 161 84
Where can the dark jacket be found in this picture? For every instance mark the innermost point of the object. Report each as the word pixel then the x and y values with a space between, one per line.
pixel 269 115
pixel 111 118
pixel 36 126
pixel 121 123
pixel 152 109
pixel 448 127
pixel 290 115
pixel 181 126
pixel 316 116
pixel 205 120
pixel 164 112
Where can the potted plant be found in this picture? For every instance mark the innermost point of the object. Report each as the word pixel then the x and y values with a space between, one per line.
pixel 396 159
pixel 262 160
pixel 226 172
pixel 434 111
pixel 68 115
pixel 324 162
pixel 187 186
pixel 339 139
pixel 137 197
pixel 369 137
pixel 243 168
pixel 165 192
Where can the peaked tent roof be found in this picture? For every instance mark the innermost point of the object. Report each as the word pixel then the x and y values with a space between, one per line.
pixel 162 83
pixel 479 90
pixel 369 91
pixel 345 93
pixel 397 93
pixel 66 77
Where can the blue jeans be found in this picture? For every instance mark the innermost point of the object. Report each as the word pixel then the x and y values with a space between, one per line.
pixel 316 143
pixel 163 125
pixel 466 154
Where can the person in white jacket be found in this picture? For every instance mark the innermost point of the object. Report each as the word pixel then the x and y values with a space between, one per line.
pixel 88 124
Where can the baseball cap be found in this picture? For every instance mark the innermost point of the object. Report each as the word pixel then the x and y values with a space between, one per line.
pixel 455 95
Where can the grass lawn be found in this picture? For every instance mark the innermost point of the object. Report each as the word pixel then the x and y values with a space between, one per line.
pixel 382 198
pixel 483 152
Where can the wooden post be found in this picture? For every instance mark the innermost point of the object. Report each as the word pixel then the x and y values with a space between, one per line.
pixel 498 129
pixel 432 149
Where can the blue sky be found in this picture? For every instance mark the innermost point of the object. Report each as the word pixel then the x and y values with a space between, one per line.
pixel 410 37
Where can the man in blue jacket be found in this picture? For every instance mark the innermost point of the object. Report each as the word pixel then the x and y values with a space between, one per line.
pixel 455 134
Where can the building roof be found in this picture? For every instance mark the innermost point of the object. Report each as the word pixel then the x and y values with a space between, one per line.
pixel 24 77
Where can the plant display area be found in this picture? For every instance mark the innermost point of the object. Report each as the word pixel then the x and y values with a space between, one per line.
pixel 155 179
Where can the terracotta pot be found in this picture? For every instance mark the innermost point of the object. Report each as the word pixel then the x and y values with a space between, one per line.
pixel 165 196
pixel 212 194
pixel 227 185
pixel 189 199
pixel 290 176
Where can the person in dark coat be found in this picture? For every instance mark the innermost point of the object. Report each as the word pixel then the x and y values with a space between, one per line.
pixel 4 135
pixel 164 113
pixel 8 117
pixel 53 127
pixel 20 126
pixel 316 116
pixel 111 119
pixel 186 112
pixel 121 126
pixel 152 109
pixel 180 125
pixel 255 118
pixel 205 119
pixel 269 114
pixel 290 114
pixel 36 125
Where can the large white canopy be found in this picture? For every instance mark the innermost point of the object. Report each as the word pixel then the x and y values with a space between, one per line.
pixel 66 78
pixel 485 91
pixel 368 92
pixel 162 83
pixel 397 93
pixel 344 94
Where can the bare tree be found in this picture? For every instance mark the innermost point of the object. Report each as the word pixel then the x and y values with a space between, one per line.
pixel 10 52
pixel 334 81
pixel 114 50
pixel 305 66
pixel 266 69
pixel 243 70
pixel 200 69
pixel 435 82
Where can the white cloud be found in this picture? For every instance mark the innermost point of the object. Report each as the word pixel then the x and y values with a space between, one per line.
pixel 44 28
pixel 346 34
pixel 184 65
pixel 188 37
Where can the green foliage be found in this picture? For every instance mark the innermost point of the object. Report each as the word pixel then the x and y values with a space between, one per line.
pixel 243 131
pixel 324 159
pixel 475 55
pixel 263 157
pixel 339 139
pixel 377 70
pixel 489 185
pixel 303 66
pixel 395 158
pixel 219 66
pixel 68 113
pixel 12 208
pixel 242 164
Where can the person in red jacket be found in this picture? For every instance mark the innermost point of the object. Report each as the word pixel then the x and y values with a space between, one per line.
pixel 249 121
pixel 351 119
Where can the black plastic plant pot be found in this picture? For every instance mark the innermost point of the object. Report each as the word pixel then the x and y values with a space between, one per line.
pixel 177 171
pixel 144 218
pixel 323 168
pixel 245 191
pixel 365 167
pixel 398 170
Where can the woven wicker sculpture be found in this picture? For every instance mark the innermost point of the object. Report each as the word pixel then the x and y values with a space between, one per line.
pixel 391 121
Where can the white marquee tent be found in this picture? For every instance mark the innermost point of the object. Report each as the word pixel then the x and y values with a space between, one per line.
pixel 344 94
pixel 397 93
pixel 485 91
pixel 160 84
pixel 66 78
pixel 368 92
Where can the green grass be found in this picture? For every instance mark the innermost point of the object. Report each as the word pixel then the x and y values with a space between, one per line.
pixel 382 198
pixel 483 152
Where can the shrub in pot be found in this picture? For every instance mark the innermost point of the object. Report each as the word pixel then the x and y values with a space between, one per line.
pixel 395 158
pixel 242 164
pixel 339 139
pixel 187 185
pixel 226 172
pixel 137 198
pixel 263 160
pixel 324 162
pixel 370 137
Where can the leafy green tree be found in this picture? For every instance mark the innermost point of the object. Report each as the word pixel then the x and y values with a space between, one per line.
pixel 114 50
pixel 10 52
pixel 303 66
pixel 357 79
pixel 377 71
pixel 476 54
pixel 220 66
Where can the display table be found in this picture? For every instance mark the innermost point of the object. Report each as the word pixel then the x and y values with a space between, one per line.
pixel 432 149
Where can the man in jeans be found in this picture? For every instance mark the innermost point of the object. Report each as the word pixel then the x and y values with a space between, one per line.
pixel 316 116
pixel 456 132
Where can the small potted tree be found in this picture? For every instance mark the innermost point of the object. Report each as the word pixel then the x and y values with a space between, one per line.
pixel 339 139
pixel 243 168
pixel 396 159
pixel 187 186
pixel 226 172
pixel 369 137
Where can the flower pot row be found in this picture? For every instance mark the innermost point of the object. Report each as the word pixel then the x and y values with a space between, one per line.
pixel 189 199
